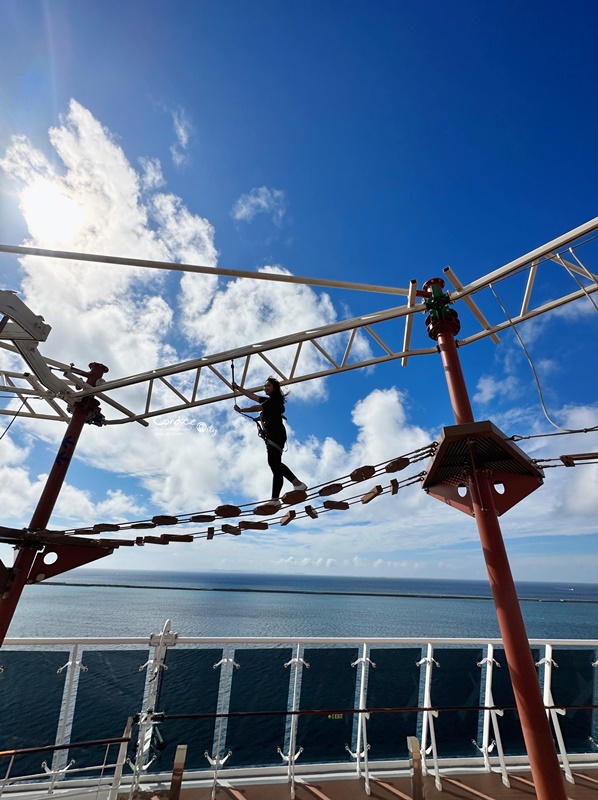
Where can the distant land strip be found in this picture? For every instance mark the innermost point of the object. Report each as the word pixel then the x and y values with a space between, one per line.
pixel 422 596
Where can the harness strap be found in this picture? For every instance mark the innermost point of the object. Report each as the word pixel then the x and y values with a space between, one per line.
pixel 269 442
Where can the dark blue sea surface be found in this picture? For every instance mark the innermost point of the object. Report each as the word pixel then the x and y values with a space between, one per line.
pixel 117 603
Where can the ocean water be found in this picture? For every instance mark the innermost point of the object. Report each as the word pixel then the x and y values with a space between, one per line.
pixel 117 603
pixel 95 603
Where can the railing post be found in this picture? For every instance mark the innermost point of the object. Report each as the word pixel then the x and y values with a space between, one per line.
pixel 120 761
pixel 297 662
pixel 428 719
pixel 74 666
pixel 155 665
pixel 490 719
pixel 227 662
pixel 552 713
pixel 361 748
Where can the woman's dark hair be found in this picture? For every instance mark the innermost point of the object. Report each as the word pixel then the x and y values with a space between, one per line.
pixel 277 390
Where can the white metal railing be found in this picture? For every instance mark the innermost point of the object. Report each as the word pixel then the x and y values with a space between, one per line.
pixel 111 775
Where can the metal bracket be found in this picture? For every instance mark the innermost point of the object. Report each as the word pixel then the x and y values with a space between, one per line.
pixel 77 664
pixel 363 661
pixel 363 752
pixel 289 759
pixel 488 661
pixel 55 772
pixel 228 661
pixel 218 762
pixel 485 750
pixel 69 556
pixel 427 660
pixel 296 661
pixel 167 639
pixel 550 661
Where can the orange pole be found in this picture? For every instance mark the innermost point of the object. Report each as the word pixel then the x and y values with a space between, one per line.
pixel 543 759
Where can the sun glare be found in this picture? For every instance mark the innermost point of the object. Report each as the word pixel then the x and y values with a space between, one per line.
pixel 51 216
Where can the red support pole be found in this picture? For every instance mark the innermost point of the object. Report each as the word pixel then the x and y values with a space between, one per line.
pixel 543 759
pixel 27 551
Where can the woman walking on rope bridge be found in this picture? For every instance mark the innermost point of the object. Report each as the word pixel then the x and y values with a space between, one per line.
pixel 271 410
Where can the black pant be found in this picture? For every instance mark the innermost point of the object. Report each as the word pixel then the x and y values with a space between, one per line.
pixel 279 470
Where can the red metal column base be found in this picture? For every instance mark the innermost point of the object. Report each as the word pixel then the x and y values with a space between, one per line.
pixel 28 548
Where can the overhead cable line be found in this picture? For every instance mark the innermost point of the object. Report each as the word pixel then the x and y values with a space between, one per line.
pixel 520 437
pixel 12 420
pixel 535 374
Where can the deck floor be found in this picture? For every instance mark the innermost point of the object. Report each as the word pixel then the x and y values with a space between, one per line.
pixel 479 786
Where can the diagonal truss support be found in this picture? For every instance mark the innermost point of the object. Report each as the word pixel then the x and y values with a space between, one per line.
pixel 346 345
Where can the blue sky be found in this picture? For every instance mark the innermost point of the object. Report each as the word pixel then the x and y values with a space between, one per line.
pixel 358 141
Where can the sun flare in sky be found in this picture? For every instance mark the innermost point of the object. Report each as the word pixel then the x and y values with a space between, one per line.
pixel 377 145
pixel 50 213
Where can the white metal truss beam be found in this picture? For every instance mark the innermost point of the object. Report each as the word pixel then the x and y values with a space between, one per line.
pixel 199 269
pixel 333 348
pixel 26 329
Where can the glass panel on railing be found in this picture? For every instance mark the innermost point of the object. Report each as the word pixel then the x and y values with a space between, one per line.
pixel 189 686
pixel 456 684
pixel 110 691
pixel 393 683
pixel 502 692
pixel 260 684
pixel 329 683
pixel 32 692
pixel 573 685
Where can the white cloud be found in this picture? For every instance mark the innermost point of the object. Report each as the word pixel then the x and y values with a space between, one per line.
pixel 123 317
pixel 135 320
pixel 260 200
pixel 252 311
pixel 182 130
pixel 151 176
pixel 489 388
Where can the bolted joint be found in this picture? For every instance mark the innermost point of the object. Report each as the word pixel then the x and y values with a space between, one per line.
pixel 92 406
pixel 95 416
pixel 437 303
pixel 444 321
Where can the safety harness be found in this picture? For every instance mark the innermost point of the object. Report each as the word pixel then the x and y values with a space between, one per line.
pixel 261 430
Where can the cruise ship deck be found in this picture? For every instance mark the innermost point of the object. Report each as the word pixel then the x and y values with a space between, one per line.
pixel 487 786
pixel 262 719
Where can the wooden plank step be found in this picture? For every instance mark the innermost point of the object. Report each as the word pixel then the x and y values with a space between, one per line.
pixel 397 464
pixel 339 505
pixel 253 525
pixel 234 529
pixel 165 519
pixel 332 488
pixel 265 509
pixel 294 496
pixel 362 473
pixel 227 511
pixel 369 496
